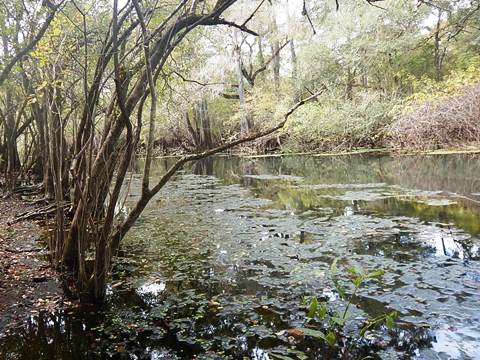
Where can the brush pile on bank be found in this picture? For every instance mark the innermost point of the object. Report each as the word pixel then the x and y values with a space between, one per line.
pixel 449 121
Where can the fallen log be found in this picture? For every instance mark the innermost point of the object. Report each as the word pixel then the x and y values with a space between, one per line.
pixel 22 251
pixel 39 213
pixel 26 190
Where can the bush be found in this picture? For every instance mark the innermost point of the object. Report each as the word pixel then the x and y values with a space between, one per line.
pixel 340 124
pixel 438 123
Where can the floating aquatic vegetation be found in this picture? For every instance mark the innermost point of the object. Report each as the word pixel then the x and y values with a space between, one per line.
pixel 216 267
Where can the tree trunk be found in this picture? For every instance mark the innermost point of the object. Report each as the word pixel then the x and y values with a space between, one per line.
pixel 437 51
pixel 295 79
pixel 11 154
pixel 206 132
pixel 275 49
pixel 244 121
pixel 349 85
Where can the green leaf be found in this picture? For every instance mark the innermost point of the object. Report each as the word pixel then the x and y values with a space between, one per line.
pixel 313 308
pixel 333 267
pixel 339 320
pixel 376 274
pixel 313 333
pixel 357 281
pixel 322 311
pixel 331 338
pixel 341 290
pixel 352 270
pixel 306 300
pixel 390 320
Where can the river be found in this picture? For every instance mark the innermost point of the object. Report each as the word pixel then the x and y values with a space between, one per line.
pixel 219 263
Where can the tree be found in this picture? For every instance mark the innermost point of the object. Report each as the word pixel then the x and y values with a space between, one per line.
pixel 15 47
pixel 451 19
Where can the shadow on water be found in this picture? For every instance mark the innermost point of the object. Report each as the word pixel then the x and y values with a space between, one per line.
pixel 220 261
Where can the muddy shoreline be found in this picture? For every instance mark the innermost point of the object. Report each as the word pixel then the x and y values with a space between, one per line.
pixel 28 285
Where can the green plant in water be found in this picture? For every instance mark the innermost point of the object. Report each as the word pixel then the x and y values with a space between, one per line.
pixel 336 320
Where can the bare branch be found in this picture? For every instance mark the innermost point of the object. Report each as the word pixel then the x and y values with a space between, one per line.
pixel 372 2
pixel 253 13
pixel 235 25
pixel 196 81
pixel 305 13
pixel 251 79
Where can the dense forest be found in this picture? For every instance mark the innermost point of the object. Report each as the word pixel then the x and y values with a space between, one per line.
pixel 92 92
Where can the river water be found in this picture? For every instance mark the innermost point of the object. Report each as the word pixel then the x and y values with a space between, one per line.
pixel 220 261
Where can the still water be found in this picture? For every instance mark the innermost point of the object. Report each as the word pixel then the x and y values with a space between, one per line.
pixel 220 261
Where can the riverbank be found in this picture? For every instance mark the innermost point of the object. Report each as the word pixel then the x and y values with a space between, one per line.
pixel 28 285
pixel 465 149
pixel 471 149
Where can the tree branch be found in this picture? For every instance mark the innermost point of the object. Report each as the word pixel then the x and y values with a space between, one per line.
pixel 195 81
pixel 251 79
pixel 235 25
pixel 305 13
pixel 253 13
pixel 145 198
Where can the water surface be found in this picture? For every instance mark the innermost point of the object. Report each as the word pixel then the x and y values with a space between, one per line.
pixel 218 264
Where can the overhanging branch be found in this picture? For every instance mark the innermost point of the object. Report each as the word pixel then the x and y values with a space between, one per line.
pixel 145 197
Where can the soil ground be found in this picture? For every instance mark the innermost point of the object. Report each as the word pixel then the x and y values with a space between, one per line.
pixel 28 284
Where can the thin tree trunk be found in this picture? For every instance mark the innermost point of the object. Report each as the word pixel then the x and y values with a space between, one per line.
pixel 206 134
pixel 244 122
pixel 275 49
pixel 295 80
pixel 437 52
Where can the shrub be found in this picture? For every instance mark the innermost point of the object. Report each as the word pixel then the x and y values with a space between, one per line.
pixel 442 122
pixel 340 124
